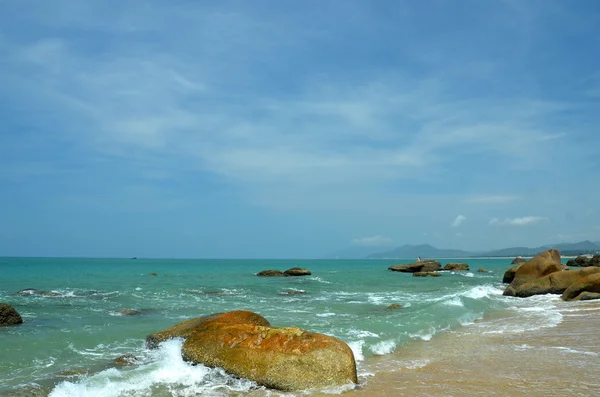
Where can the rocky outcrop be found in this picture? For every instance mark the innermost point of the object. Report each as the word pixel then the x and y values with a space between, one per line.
pixel 425 274
pixel 279 358
pixel 245 345
pixel 421 266
pixel 581 261
pixel 518 260
pixel 509 275
pixel 585 288
pixel 595 261
pixel 554 283
pixel 270 273
pixel 543 264
pixel 297 271
pixel 9 316
pixel 188 327
pixel 293 272
pixel 456 266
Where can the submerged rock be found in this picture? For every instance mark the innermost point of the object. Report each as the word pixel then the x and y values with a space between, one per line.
pixel 153 274
pixel 130 312
pixel 270 273
pixel 394 306
pixel 125 360
pixel 297 271
pixel 543 264
pixel 33 291
pixel 188 327
pixel 425 274
pixel 456 266
pixel 482 270
pixel 421 266
pixel 9 316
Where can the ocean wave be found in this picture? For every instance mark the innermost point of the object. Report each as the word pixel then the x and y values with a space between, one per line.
pixel 383 347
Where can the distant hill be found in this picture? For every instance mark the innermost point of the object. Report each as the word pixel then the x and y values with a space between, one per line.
pixel 423 250
pixel 428 251
pixel 582 247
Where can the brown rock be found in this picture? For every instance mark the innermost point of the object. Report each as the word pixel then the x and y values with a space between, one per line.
pixel 129 312
pixel 518 260
pixel 509 275
pixel 296 271
pixel 553 283
pixel 279 358
pixel 456 266
pixel 590 285
pixel 270 273
pixel 9 316
pixel 188 327
pixel 421 266
pixel 153 274
pixel 595 261
pixel 543 264
pixel 482 270
pixel 394 306
pixel 425 274
pixel 125 360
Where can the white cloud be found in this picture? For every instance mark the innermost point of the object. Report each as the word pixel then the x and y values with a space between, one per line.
pixel 491 199
pixel 526 220
pixel 459 221
pixel 372 241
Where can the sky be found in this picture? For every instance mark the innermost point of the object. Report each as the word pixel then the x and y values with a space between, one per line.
pixel 292 129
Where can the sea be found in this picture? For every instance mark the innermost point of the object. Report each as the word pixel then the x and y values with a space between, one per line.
pixel 87 312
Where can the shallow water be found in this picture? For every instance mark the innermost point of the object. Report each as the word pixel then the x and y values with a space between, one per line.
pixel 80 328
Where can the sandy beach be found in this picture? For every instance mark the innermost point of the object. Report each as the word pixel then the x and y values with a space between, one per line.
pixel 555 361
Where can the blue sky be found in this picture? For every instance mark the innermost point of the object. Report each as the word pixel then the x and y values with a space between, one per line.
pixel 294 129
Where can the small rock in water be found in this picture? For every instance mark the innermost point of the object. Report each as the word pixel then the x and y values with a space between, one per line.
pixel 293 292
pixel 130 312
pixel 125 360
pixel 482 270
pixel 425 274
pixel 9 316
pixel 394 306
pixel 153 274
pixel 270 273
pixel 456 266
pixel 297 271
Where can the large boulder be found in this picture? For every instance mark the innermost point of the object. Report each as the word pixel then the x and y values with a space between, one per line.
pixel 9 316
pixel 279 358
pixel 581 261
pixel 595 261
pixel 186 328
pixel 420 266
pixel 543 264
pixel 585 288
pixel 554 283
pixel 270 273
pixel 456 266
pixel 297 271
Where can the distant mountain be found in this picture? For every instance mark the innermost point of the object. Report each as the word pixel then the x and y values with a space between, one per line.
pixel 582 247
pixel 425 251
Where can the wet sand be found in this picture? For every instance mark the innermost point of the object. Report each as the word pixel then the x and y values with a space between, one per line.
pixel 557 361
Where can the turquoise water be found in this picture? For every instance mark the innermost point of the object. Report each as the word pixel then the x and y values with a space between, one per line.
pixel 79 328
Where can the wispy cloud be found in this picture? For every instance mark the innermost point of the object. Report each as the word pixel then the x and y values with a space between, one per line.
pixel 459 220
pixel 491 199
pixel 526 220
pixel 373 241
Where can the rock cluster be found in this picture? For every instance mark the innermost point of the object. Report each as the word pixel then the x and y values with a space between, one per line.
pixel 244 344
pixel 545 274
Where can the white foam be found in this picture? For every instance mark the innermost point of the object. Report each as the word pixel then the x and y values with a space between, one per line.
pixel 356 347
pixel 425 335
pixel 383 347
pixel 167 371
pixel 569 350
pixel 325 314
pixel 453 302
pixel 361 333
pixel 483 291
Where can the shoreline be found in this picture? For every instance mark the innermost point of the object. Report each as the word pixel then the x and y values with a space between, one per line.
pixel 559 360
